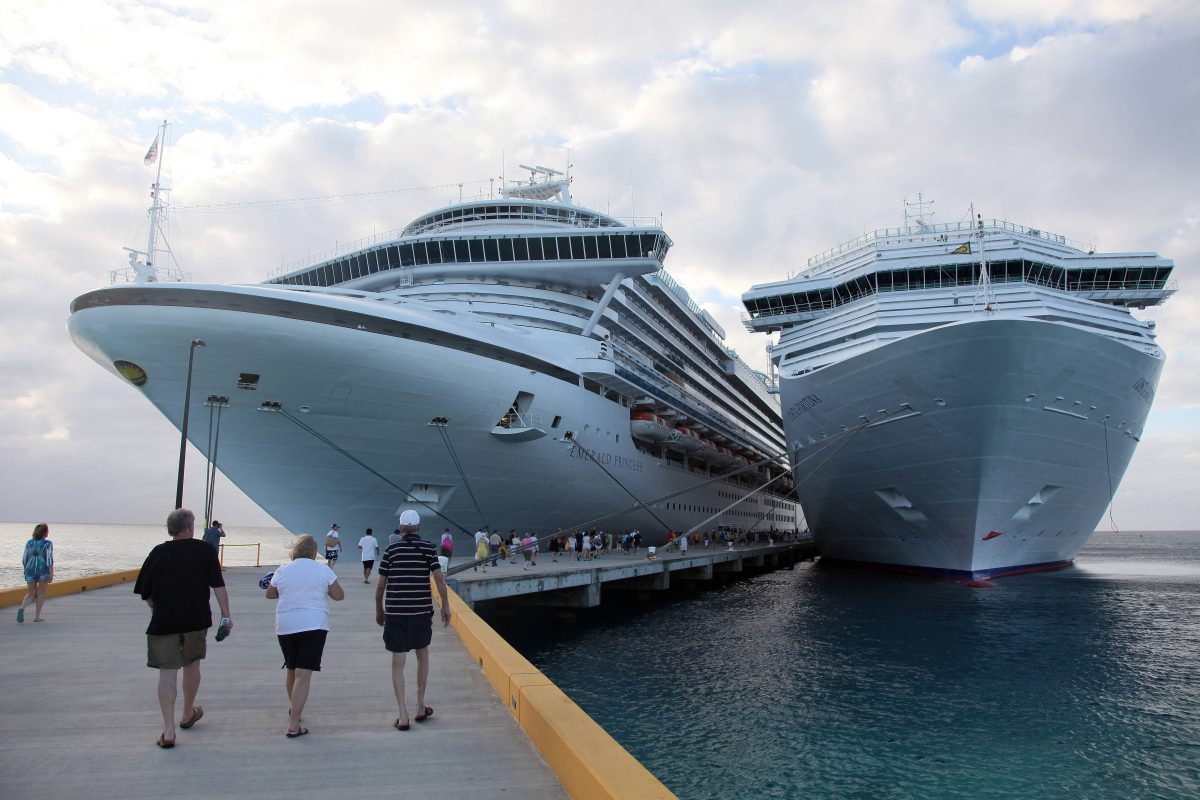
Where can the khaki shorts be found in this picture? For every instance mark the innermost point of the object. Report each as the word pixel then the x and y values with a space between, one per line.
pixel 175 650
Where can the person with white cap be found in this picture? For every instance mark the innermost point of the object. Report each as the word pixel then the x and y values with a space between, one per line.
pixel 404 609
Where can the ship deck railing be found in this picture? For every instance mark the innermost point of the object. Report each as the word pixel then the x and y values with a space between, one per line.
pixel 931 234
pixel 1132 291
pixel 400 233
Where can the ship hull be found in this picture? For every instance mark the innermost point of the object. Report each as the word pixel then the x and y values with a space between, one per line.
pixel 976 449
pixel 356 438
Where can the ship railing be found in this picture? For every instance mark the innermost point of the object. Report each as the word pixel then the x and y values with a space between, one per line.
pixel 941 233
pixel 335 251
pixel 632 362
pixel 171 274
pixel 520 420
pixel 400 233
pixel 559 219
pixel 1156 288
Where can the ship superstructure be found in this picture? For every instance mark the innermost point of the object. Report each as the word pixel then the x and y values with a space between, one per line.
pixel 962 398
pixel 495 362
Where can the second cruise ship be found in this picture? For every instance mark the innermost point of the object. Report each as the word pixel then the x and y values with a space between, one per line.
pixel 962 399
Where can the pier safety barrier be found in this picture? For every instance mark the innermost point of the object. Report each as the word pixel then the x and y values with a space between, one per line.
pixel 257 553
pixel 590 763
pixel 58 588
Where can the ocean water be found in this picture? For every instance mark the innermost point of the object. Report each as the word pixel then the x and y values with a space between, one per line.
pixel 838 683
pixel 88 549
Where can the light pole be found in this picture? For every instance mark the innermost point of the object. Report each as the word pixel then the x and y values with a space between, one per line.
pixel 187 401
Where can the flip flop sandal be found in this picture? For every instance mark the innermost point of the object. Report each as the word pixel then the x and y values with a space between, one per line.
pixel 398 726
pixel 424 716
pixel 164 743
pixel 296 734
pixel 197 713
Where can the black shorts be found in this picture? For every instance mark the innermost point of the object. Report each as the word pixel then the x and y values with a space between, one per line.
pixel 401 634
pixel 368 565
pixel 303 650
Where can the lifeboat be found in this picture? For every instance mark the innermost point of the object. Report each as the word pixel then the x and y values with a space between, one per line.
pixel 707 452
pixel 739 462
pixel 648 427
pixel 723 458
pixel 689 441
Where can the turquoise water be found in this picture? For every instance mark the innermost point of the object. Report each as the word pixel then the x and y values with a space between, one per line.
pixel 835 683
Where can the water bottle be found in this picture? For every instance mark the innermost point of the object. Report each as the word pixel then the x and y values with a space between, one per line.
pixel 223 630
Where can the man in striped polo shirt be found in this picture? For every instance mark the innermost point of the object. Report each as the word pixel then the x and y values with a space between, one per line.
pixel 404 608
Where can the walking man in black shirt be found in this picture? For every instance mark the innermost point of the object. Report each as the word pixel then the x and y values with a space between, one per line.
pixel 404 608
pixel 174 581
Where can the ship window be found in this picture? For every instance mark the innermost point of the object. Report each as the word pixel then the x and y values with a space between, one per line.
pixel 406 255
pixel 506 249
pixel 476 250
pixel 535 249
pixel 605 246
pixel 589 246
pixel 462 253
pixel 393 257
pixel 618 246
pixel 577 247
pixel 649 243
pixel 447 248
pixel 520 250
pixel 419 254
pixel 490 251
pixel 555 423
pixel 551 248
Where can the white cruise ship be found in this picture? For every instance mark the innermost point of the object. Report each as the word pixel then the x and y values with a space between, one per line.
pixel 962 399
pixel 515 362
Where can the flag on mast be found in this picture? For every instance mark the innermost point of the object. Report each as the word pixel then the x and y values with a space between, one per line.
pixel 152 153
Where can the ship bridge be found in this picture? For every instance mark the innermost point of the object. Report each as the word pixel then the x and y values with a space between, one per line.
pixel 947 256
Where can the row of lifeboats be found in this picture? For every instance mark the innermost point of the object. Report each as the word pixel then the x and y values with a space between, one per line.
pixel 648 427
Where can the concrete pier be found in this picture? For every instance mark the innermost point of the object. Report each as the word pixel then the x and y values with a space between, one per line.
pixel 79 712
pixel 579 584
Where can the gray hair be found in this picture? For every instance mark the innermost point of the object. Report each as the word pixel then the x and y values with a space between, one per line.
pixel 179 521
pixel 304 546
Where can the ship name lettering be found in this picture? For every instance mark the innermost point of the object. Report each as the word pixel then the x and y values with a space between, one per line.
pixel 607 459
pixel 1144 389
pixel 803 406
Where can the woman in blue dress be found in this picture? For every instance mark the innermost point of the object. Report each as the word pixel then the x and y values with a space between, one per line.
pixel 39 570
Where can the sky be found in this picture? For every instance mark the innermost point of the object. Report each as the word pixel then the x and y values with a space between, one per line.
pixel 760 133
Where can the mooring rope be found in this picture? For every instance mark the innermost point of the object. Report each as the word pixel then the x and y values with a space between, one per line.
pixel 575 441
pixel 663 498
pixel 442 424
pixel 307 428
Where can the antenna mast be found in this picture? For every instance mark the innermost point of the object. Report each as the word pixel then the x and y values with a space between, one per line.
pixel 148 273
pixel 985 277
pixel 922 208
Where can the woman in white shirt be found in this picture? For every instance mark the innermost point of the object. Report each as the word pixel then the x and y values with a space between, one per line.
pixel 302 620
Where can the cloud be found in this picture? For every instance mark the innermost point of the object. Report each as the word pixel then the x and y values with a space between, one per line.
pixel 762 135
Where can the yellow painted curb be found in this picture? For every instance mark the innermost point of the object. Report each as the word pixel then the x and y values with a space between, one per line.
pixel 12 597
pixel 590 764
